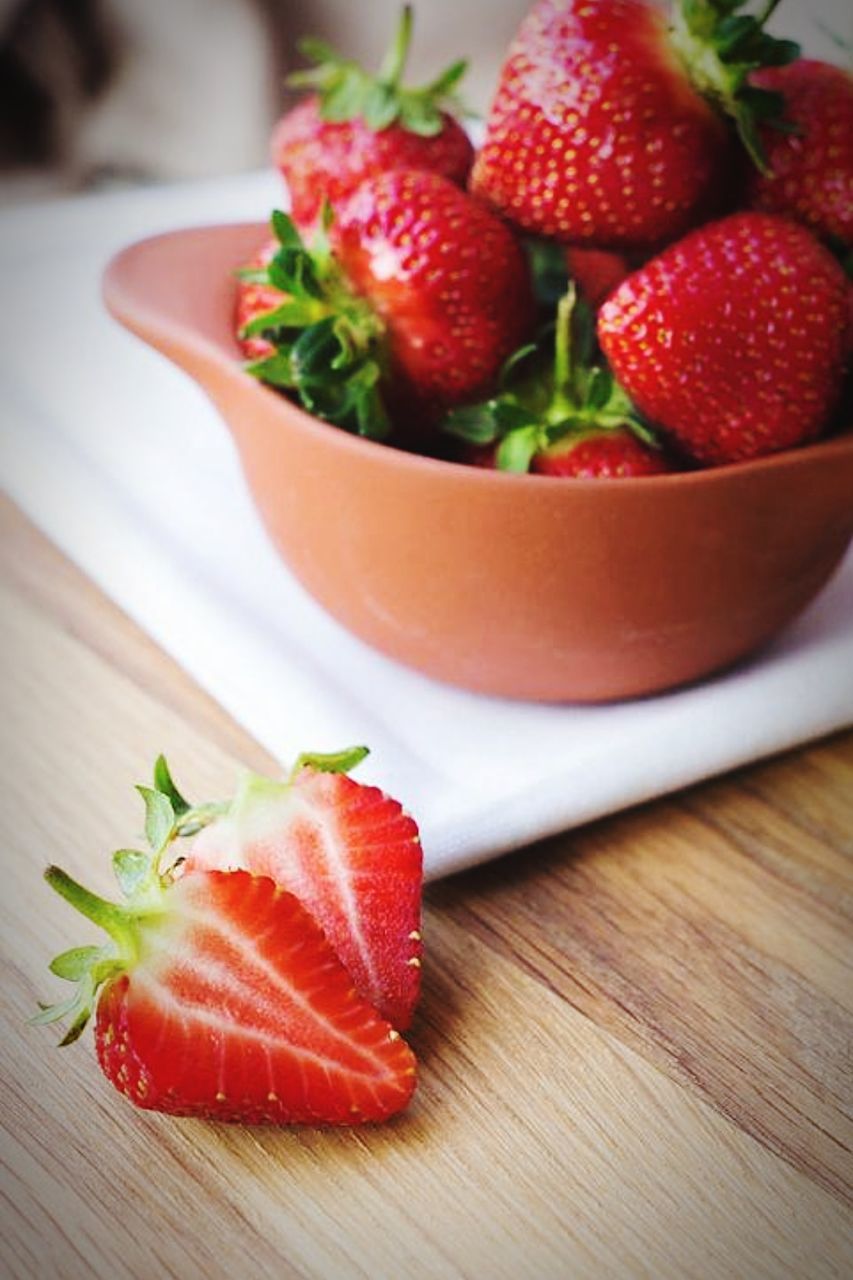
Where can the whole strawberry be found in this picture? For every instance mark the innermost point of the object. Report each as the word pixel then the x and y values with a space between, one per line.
pixel 569 421
pixel 414 295
pixel 357 125
pixel 733 340
pixel 810 165
pixel 602 130
pixel 219 996
pixel 446 277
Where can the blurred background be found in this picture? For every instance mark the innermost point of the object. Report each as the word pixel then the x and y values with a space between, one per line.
pixel 100 93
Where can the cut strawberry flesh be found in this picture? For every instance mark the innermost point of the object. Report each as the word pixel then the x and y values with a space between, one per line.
pixel 238 1009
pixel 352 857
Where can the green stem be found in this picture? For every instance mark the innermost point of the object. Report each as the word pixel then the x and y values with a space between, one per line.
pixel 767 11
pixel 394 61
pixel 562 401
pixel 109 915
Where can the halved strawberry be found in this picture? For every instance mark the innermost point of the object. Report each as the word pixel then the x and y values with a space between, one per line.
pixel 219 997
pixel 350 855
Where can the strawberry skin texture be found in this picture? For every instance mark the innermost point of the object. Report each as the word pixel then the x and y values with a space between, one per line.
pixel 237 1009
pixel 445 274
pixel 605 455
pixel 595 134
pixel 811 176
pixel 353 859
pixel 734 339
pixel 596 272
pixel 322 160
pixel 255 300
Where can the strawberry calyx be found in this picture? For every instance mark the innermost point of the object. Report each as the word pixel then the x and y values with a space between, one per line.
pixel 538 408
pixel 348 92
pixel 328 342
pixel 720 47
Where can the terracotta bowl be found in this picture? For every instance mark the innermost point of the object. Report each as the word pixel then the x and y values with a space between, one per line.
pixel 526 586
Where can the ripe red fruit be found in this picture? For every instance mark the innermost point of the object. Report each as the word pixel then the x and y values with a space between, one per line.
pixel 596 134
pixel 358 125
pixel 253 300
pixel 596 272
pixel 350 855
pixel 447 278
pixel 613 454
pixel 221 998
pixel 810 174
pixel 734 339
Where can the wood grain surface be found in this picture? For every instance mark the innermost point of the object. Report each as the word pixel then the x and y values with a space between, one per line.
pixel 635 1040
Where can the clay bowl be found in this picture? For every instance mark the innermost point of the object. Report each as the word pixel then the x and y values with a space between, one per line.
pixel 524 586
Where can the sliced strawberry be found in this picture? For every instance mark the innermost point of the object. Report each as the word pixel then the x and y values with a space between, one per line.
pixel 221 998
pixel 351 856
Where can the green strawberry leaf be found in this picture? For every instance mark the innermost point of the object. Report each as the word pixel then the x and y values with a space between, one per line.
pixel 159 818
pixel 75 964
pixel 132 868
pixel 275 369
pixel 330 762
pixel 163 782
pixel 515 452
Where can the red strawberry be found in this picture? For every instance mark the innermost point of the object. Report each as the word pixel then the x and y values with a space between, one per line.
pixel 733 340
pixel 610 454
pixel 414 296
pixel 219 997
pixel 446 277
pixel 359 125
pixel 596 272
pixel 810 175
pixel 599 133
pixel 253 300
pixel 350 855
pixel 570 421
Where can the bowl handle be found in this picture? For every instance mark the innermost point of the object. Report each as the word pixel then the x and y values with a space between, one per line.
pixel 176 292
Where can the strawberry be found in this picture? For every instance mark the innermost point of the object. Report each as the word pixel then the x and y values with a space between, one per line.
pixel 571 421
pixel 255 299
pixel 413 294
pixel 810 175
pixel 359 125
pixel 596 272
pixel 348 853
pixel 218 996
pixel 733 340
pixel 601 131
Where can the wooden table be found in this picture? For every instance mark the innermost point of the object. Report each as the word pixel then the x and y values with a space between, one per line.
pixel 636 1040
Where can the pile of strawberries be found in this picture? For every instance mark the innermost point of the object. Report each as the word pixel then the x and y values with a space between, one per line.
pixel 264 975
pixel 641 270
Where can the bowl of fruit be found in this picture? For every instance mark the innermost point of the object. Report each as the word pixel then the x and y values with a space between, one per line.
pixel 565 417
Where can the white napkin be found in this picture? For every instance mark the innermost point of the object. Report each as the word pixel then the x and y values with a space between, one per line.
pixel 121 460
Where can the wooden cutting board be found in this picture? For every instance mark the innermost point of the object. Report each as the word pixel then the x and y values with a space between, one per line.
pixel 636 1040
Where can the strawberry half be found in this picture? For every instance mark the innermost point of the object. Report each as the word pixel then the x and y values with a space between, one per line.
pixel 571 420
pixel 358 125
pixel 350 855
pixel 733 340
pixel 218 996
pixel 607 127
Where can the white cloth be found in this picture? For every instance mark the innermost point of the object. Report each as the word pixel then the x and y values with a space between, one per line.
pixel 122 461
